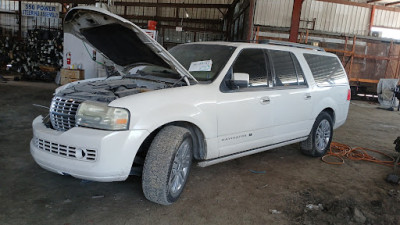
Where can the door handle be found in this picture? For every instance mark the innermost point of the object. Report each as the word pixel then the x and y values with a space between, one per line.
pixel 265 100
pixel 307 96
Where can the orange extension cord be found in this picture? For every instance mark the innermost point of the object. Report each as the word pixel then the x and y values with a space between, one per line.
pixel 342 151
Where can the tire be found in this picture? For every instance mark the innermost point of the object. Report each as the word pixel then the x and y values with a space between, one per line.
pixel 320 137
pixel 167 165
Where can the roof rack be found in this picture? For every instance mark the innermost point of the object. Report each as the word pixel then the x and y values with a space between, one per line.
pixel 291 44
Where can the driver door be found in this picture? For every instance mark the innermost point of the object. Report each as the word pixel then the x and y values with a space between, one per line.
pixel 245 115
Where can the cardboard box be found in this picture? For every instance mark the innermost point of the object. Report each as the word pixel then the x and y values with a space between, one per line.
pixel 68 75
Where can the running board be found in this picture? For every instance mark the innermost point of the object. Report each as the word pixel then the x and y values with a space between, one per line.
pixel 248 152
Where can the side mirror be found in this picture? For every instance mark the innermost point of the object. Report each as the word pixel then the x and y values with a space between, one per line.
pixel 240 80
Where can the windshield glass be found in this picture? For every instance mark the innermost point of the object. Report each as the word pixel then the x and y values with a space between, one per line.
pixel 203 61
pixel 154 71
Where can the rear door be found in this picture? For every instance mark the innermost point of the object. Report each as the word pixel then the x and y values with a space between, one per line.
pixel 293 98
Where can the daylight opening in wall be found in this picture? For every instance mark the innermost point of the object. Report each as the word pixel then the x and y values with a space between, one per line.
pixel 385 32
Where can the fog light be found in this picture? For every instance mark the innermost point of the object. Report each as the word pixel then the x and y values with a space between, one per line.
pixel 80 153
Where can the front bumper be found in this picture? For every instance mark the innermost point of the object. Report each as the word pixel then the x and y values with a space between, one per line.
pixel 86 153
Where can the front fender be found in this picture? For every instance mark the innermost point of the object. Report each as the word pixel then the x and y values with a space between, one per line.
pixel 204 120
pixel 194 104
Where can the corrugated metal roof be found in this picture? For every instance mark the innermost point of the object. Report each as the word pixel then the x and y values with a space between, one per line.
pixel 328 16
pixel 336 18
pixel 179 15
pixel 392 3
pixel 273 13
pixel 196 13
pixel 387 19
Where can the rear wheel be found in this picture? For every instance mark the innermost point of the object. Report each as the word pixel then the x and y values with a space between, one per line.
pixel 167 165
pixel 320 137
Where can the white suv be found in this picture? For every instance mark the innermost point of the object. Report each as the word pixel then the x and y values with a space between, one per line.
pixel 208 102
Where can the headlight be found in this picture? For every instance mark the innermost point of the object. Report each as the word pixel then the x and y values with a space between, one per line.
pixel 99 115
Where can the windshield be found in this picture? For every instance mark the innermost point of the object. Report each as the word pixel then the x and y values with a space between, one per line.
pixel 154 70
pixel 203 61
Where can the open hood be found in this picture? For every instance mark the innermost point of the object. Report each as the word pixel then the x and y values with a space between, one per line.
pixel 121 41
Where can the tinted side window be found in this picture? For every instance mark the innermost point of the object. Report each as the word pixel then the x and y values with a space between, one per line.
pixel 285 69
pixel 252 61
pixel 327 70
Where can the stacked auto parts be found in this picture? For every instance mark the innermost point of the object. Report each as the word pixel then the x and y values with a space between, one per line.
pixel 37 57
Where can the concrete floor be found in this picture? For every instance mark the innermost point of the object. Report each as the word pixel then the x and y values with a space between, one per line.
pixel 227 193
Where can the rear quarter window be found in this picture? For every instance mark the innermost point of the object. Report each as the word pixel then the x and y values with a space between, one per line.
pixel 286 68
pixel 326 70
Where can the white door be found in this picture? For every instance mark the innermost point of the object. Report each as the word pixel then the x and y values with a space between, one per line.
pixel 293 99
pixel 245 115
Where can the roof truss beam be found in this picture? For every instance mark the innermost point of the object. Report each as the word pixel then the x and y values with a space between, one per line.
pixel 366 5
pixel 192 29
pixel 372 1
pixel 392 3
pixel 172 5
pixel 67 1
pixel 173 19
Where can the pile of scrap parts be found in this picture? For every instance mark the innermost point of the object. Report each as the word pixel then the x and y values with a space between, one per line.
pixel 38 57
pixel 386 90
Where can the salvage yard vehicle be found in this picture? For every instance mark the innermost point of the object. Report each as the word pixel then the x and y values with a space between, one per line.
pixel 206 102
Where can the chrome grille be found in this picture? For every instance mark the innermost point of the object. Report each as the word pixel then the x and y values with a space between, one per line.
pixel 66 151
pixel 62 113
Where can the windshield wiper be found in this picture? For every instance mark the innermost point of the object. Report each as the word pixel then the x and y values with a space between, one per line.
pixel 152 78
pixel 164 71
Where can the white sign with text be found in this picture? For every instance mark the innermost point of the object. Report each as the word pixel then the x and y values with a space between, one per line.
pixel 40 10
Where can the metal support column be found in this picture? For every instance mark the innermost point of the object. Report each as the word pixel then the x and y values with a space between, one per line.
pixel 19 19
pixel 294 27
pixel 250 22
pixel 371 19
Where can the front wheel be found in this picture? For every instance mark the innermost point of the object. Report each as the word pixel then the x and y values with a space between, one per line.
pixel 167 165
pixel 320 137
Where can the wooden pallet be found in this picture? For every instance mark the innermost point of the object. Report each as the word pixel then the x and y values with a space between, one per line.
pixel 12 76
pixel 50 69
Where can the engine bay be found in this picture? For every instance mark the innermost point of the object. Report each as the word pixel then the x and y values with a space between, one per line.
pixel 112 88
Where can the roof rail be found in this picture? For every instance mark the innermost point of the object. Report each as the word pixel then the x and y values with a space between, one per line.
pixel 291 44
